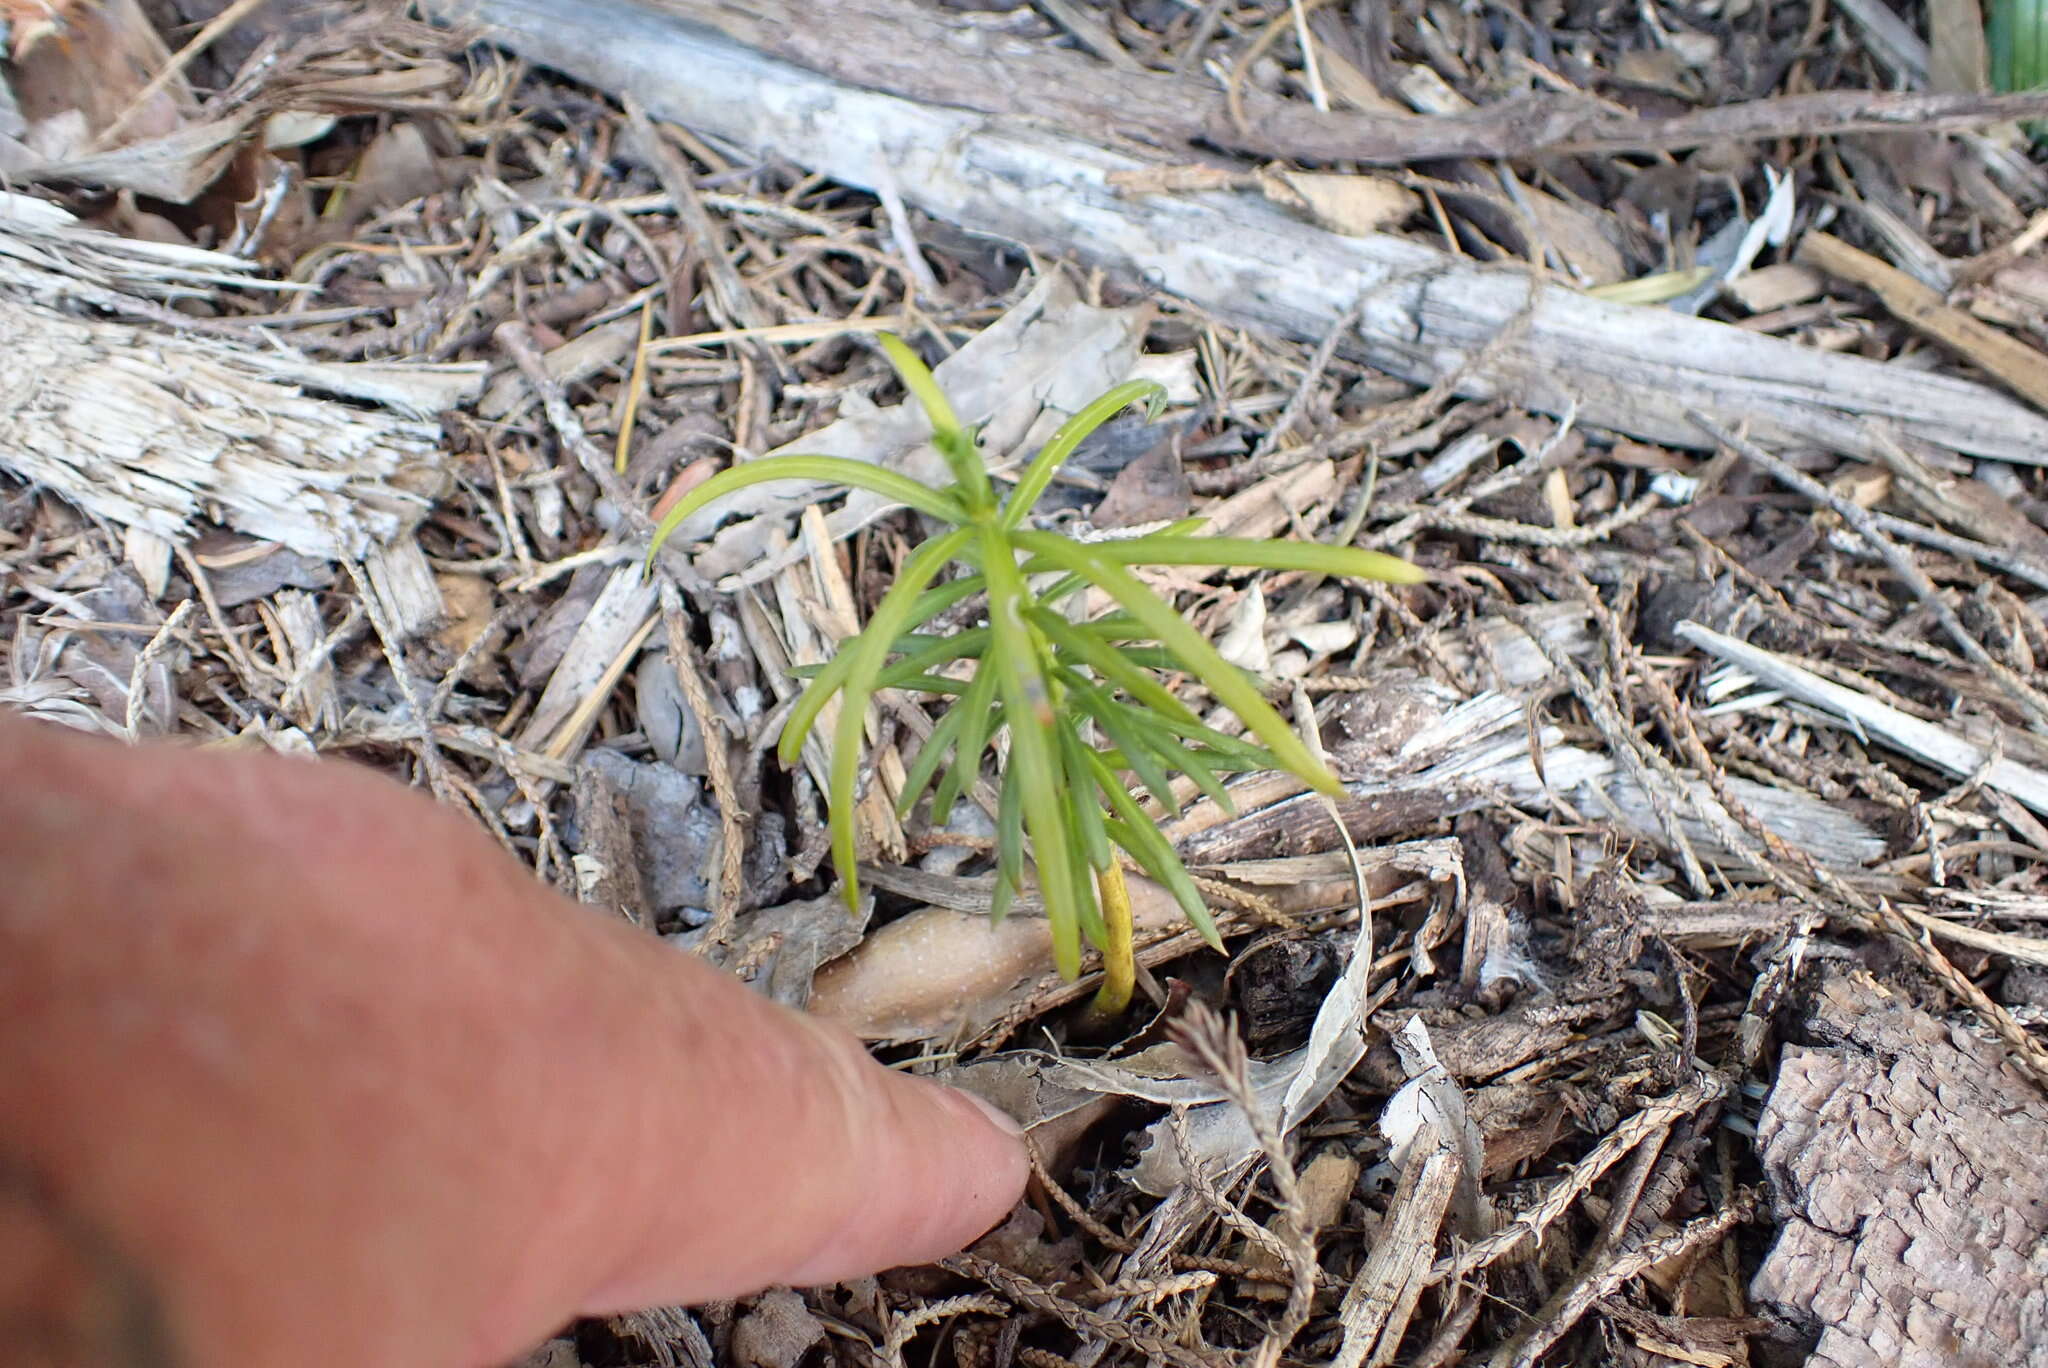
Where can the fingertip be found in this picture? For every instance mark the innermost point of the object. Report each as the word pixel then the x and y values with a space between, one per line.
pixel 950 1167
pixel 996 1116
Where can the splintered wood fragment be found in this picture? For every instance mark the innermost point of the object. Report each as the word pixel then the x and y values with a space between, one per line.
pixel 1924 741
pixel 403 581
pixel 597 656
pixel 152 429
pixel 1916 305
pixel 1381 1300
pixel 2031 949
pixel 1423 315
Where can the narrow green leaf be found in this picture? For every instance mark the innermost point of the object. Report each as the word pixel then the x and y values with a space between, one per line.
pixel 1088 909
pixel 918 777
pixel 1136 751
pixel 922 384
pixel 1009 847
pixel 1225 680
pixel 819 469
pixel 891 615
pixel 1197 768
pixel 1165 869
pixel 922 653
pixel 1070 435
pixel 1113 665
pixel 1254 553
pixel 1027 698
pixel 826 679
pixel 1224 751
pixel 921 683
pixel 1134 831
pixel 983 716
pixel 954 442
pixel 1078 784
pixel 2016 38
pixel 1073 583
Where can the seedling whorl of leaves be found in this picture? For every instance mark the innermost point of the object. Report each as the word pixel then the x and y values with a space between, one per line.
pixel 1082 701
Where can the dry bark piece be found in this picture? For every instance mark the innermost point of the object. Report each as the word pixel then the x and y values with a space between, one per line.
pixel 607 863
pixel 1152 488
pixel 1905 1163
pixel 673 829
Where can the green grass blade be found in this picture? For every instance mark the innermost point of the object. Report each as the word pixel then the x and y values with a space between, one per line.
pixel 1134 831
pixel 949 435
pixel 1136 751
pixel 983 716
pixel 827 678
pixel 919 776
pixel 891 615
pixel 1224 680
pixel 819 469
pixel 1054 453
pixel 1254 553
pixel 1027 699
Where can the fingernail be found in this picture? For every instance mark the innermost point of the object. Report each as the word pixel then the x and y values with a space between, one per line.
pixel 1005 1122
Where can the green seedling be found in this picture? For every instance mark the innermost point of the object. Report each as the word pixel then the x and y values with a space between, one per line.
pixel 1081 699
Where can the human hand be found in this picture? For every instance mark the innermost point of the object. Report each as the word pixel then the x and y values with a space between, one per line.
pixel 339 1083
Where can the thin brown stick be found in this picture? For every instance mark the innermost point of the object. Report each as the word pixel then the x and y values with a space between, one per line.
pixel 732 822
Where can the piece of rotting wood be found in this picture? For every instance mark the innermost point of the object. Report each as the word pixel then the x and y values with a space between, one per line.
pixel 150 429
pixel 157 427
pixel 1422 314
pixel 1381 1300
pixel 2020 366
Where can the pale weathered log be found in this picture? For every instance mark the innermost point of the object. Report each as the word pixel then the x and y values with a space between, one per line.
pixel 913 49
pixel 1424 316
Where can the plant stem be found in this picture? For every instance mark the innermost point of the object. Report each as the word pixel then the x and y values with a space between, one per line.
pixel 1119 963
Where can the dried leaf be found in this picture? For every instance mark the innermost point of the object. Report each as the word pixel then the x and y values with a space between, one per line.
pixel 1355 205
